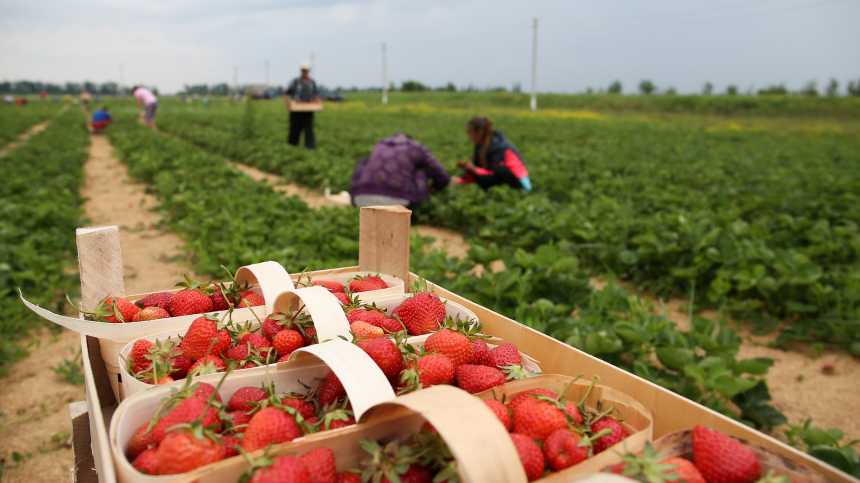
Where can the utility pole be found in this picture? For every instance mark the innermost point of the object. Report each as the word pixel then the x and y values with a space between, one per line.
pixel 534 68
pixel 384 77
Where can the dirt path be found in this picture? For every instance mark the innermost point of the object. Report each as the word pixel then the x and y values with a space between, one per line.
pixel 152 261
pixel 30 133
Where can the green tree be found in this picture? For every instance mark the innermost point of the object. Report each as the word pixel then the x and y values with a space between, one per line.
pixel 413 86
pixel 707 89
pixel 670 91
pixel 647 87
pixel 774 90
pixel 810 89
pixel 833 88
pixel 732 90
pixel 854 88
pixel 615 88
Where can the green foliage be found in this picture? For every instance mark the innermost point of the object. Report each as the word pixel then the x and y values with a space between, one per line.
pixel 413 86
pixel 16 120
pixel 647 87
pixel 825 445
pixel 71 370
pixel 41 207
pixel 614 88
pixel 775 90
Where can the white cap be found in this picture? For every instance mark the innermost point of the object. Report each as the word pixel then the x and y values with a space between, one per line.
pixel 305 65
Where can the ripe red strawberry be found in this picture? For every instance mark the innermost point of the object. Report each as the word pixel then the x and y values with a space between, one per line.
pixel 243 397
pixel 363 330
pixel 180 362
pixel 501 412
pixel 271 326
pixel 504 355
pixel 422 313
pixel 330 390
pixel 185 412
pixel 140 357
pixel 305 408
pixel 258 341
pixel 161 380
pixel 285 358
pixel 193 299
pixel 435 369
pixel 475 379
pixel 331 285
pixel 231 445
pixel 287 341
pixel 529 395
pixel 348 477
pixel 480 353
pixel 376 318
pixel 146 462
pixel 618 433
pixel 210 364
pixel 338 419
pixel 453 345
pixel 538 418
pixel 385 354
pixel 562 449
pixel 248 298
pixel 530 454
pixel 182 451
pixel 376 280
pixel 151 313
pixel 204 390
pixel 237 353
pixel 158 299
pixel 357 286
pixel 198 339
pixel 219 302
pixel 238 421
pixel 320 464
pixel 140 441
pixel 721 459
pixel 310 335
pixel 687 470
pixel 270 425
pixel 115 310
pixel 285 468
pixel 343 298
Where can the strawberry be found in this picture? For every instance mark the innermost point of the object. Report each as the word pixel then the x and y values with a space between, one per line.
pixel 357 286
pixel 270 425
pixel 257 341
pixel 453 345
pixel 480 353
pixel 618 433
pixel 219 301
pixel 529 395
pixel 237 353
pixel 475 379
pixel 140 442
pixel 303 407
pixel 435 369
pixel 161 380
pixel 330 390
pixel 530 454
pixel 192 299
pixel 146 462
pixel 285 358
pixel 331 285
pixel 204 390
pixel 501 412
pixel 287 341
pixel 422 313
pixel 722 459
pixel 339 418
pixel 537 418
pixel 179 363
pixel 185 412
pixel 210 364
pixel 198 340
pixel 320 464
pixel 140 358
pixel 343 298
pixel 151 313
pixel 686 470
pixel 237 421
pixel 375 317
pixel 285 468
pixel 504 355
pixel 363 330
pixel 115 310
pixel 158 299
pixel 562 449
pixel 376 280
pixel 271 326
pixel 231 445
pixel 243 397
pixel 348 477
pixel 182 451
pixel 385 354
pixel 248 298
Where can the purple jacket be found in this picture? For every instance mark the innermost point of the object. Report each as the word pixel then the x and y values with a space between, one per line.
pixel 400 167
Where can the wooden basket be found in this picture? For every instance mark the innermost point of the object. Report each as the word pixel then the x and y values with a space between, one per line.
pixel 364 382
pixel 296 106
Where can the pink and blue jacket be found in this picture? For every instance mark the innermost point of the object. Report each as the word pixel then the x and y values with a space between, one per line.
pixel 504 166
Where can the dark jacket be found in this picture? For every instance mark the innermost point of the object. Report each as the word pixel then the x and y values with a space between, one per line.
pixel 504 165
pixel 400 167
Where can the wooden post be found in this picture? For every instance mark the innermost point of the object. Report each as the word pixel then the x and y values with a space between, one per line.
pixel 100 263
pixel 383 240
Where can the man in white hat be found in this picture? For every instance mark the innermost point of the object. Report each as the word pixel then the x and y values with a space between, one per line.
pixel 302 89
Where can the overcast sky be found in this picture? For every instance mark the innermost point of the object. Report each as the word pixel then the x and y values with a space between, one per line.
pixel 581 44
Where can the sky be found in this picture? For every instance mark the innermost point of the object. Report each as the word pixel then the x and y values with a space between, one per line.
pixel 581 44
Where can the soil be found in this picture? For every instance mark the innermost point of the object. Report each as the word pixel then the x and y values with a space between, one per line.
pixel 153 260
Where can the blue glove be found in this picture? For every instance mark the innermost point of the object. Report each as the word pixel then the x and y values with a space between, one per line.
pixel 527 184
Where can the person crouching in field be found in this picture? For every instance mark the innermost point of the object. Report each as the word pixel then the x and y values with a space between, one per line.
pixel 399 171
pixel 100 119
pixel 496 160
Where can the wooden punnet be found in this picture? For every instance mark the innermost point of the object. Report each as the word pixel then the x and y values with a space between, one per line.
pixel 384 248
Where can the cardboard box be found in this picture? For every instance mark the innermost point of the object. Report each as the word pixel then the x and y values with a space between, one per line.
pixel 384 248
